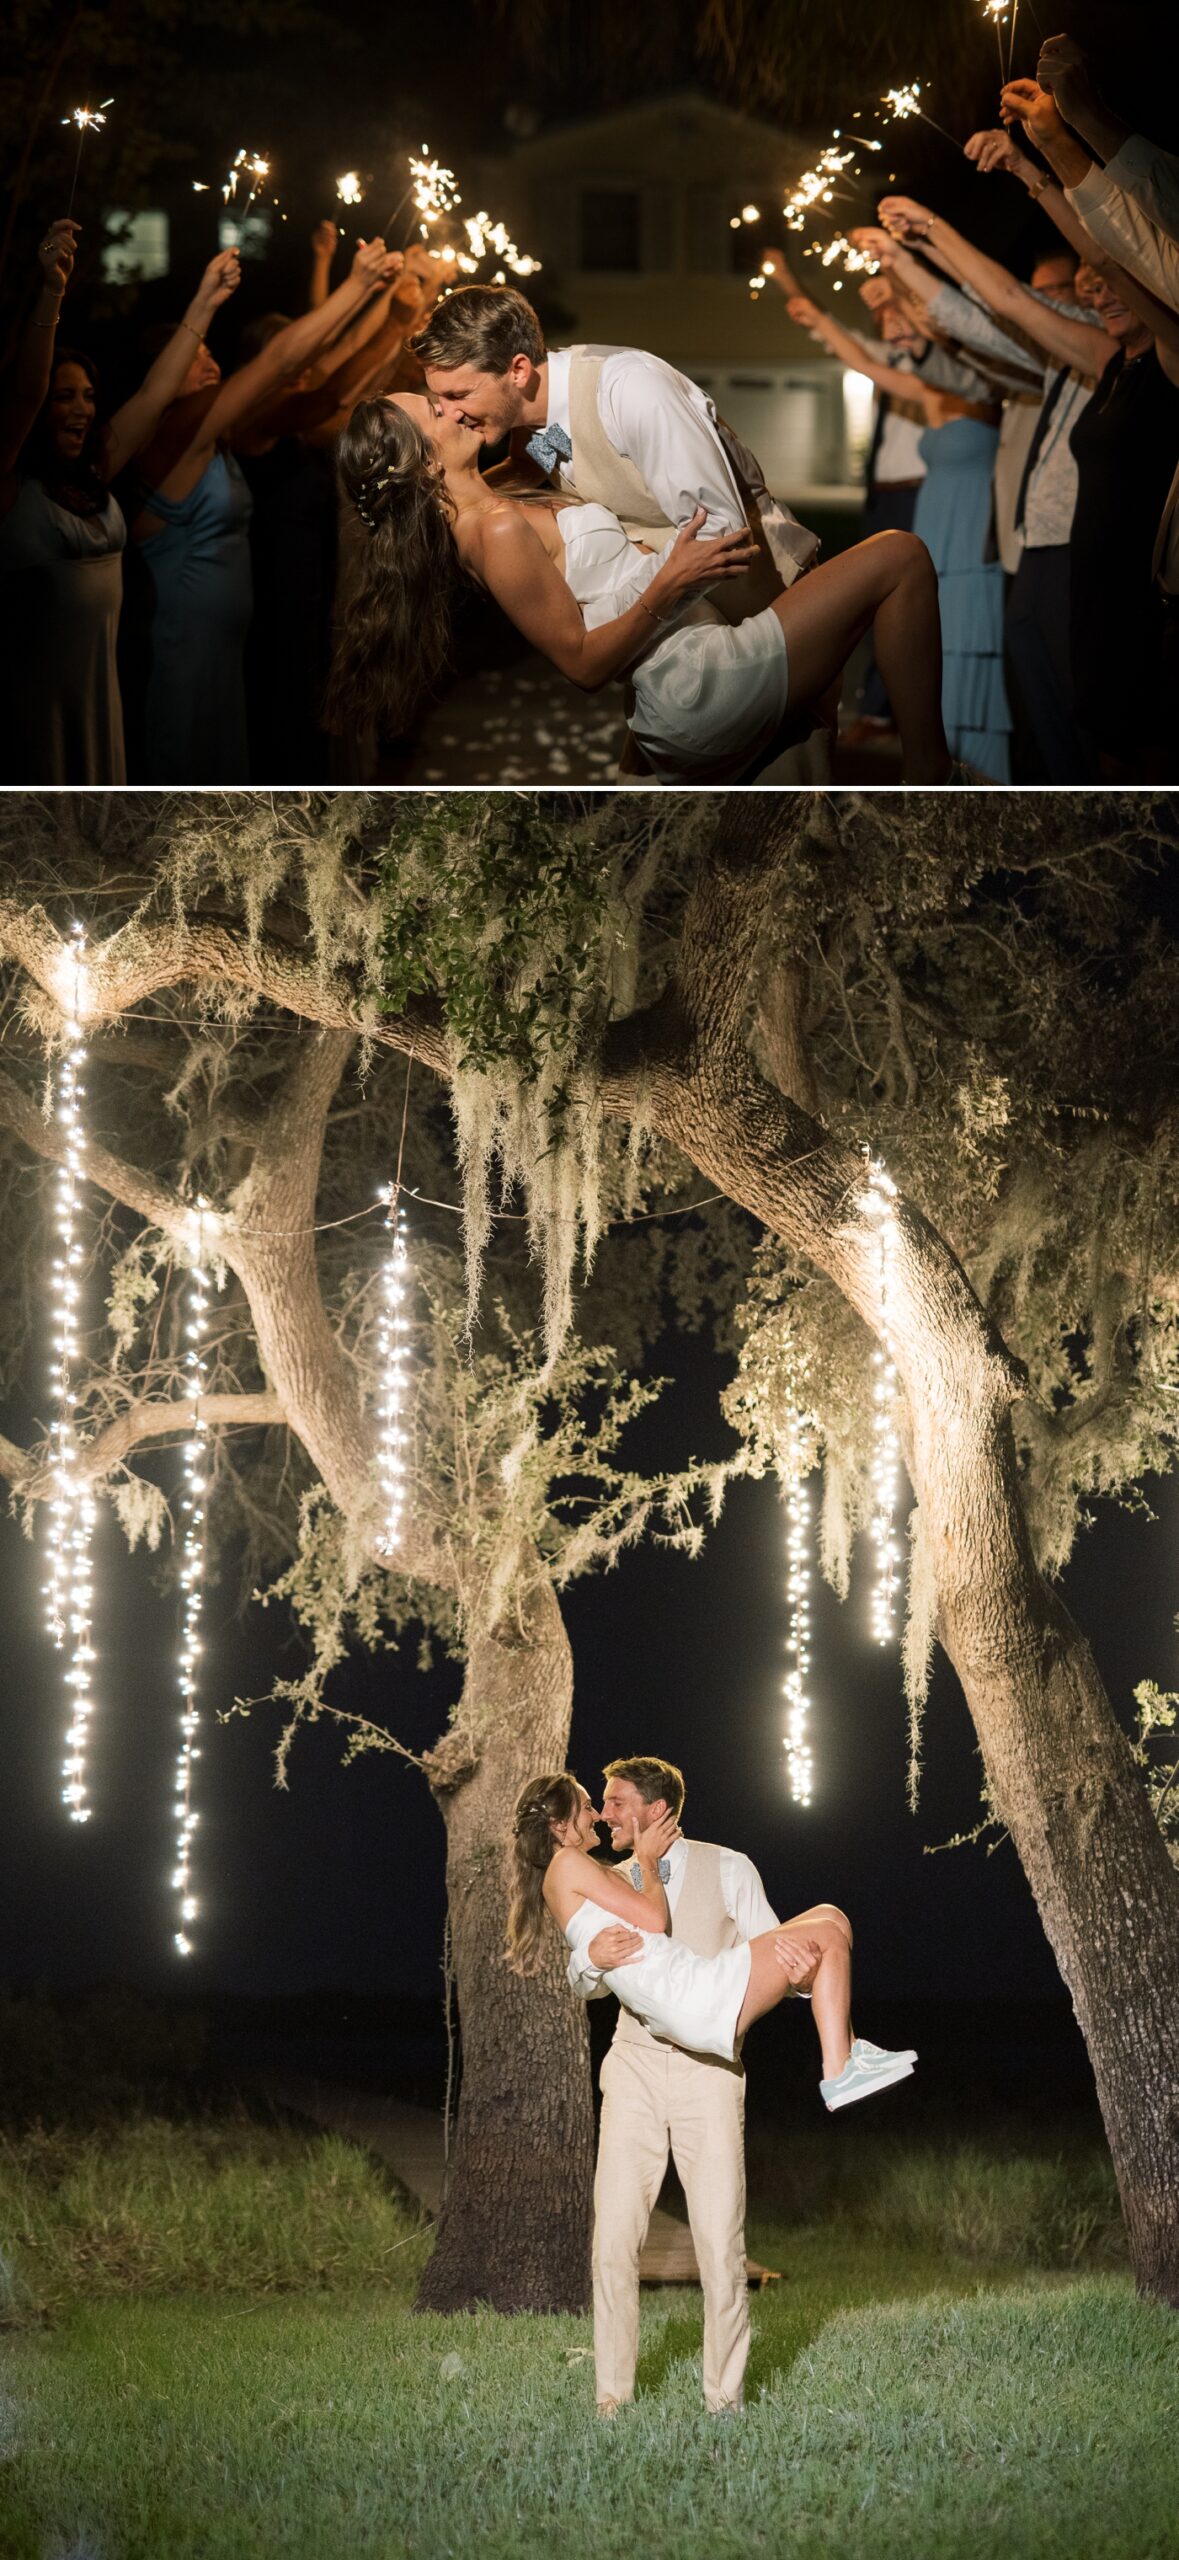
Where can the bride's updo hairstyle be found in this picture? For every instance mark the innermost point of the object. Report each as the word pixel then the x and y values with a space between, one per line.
pixel 394 623
pixel 542 1802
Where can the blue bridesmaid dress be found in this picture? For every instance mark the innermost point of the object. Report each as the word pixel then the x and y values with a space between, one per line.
pixel 953 518
pixel 198 565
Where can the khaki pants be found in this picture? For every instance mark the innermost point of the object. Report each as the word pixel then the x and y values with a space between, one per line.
pixel 654 2098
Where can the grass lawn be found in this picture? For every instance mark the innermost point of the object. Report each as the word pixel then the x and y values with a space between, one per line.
pixel 904 2399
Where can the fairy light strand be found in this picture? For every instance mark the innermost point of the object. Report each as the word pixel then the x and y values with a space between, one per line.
pixel 69 1589
pixel 193 1506
pixel 879 1197
pixel 393 1356
pixel 795 1686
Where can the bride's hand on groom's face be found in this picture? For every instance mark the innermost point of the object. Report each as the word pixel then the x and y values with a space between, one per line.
pixel 653 1844
pixel 615 1946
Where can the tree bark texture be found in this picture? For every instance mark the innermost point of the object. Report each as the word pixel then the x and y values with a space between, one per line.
pixel 515 2224
pixel 1064 1779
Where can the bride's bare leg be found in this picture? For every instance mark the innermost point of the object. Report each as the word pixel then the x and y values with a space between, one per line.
pixel 828 1981
pixel 888 584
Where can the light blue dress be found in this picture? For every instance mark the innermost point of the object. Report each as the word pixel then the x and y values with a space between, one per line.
pixel 198 565
pixel 61 590
pixel 953 518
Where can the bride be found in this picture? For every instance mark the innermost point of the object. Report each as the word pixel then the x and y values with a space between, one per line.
pixel 702 2002
pixel 707 697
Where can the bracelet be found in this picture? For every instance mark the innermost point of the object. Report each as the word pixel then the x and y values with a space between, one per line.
pixel 47 324
pixel 1037 185
pixel 658 618
pixel 193 333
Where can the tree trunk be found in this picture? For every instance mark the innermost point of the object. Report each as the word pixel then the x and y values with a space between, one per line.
pixel 514 2230
pixel 1063 1776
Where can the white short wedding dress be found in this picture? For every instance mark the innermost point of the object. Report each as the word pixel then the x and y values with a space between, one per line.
pixel 711 695
pixel 690 2000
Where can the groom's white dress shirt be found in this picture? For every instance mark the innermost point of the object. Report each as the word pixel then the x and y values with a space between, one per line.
pixel 673 441
pixel 742 1893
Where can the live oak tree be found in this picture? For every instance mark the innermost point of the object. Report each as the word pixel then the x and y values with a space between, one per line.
pixel 221 1082
pixel 980 988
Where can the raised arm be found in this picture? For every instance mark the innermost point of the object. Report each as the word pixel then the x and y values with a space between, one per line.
pixel 1071 342
pixel 324 242
pixel 292 348
pixel 508 555
pixel 136 421
pixel 28 378
pixel 1064 72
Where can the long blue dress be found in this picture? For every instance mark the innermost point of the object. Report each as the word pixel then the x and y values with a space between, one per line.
pixel 198 566
pixel 953 516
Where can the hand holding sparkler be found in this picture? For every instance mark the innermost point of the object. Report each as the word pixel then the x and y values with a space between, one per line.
pixel 804 313
pixel 55 257
pixel 1062 65
pixel 875 292
pixel 996 150
pixel 325 240
pixel 222 277
pixel 1025 102
pixel 901 219
pixel 373 264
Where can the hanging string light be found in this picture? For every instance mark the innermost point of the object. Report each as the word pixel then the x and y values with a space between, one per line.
pixel 393 1353
pixel 795 1689
pixel 886 1447
pixel 192 1568
pixel 69 1590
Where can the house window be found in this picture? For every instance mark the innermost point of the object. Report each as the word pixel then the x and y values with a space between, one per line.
pixel 138 250
pixel 611 237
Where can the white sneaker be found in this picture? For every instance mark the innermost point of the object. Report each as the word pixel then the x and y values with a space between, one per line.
pixel 868 2067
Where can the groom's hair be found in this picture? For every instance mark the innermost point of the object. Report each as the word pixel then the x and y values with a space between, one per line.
pixel 653 1778
pixel 482 325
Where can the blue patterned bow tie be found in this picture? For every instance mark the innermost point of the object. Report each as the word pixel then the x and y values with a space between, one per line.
pixel 548 447
pixel 636 1873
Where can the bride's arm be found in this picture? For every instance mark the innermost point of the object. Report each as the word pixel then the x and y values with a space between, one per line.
pixel 644 1908
pixel 516 569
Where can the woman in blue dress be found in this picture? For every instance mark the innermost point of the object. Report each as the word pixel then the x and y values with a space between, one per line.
pixel 952 517
pixel 191 529
pixel 62 531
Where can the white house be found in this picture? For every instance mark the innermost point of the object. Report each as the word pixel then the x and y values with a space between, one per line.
pixel 632 213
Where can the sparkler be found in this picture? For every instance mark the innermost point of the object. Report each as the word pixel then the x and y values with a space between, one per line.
pixel 69 1591
pixel 996 11
pixel 906 102
pixel 795 1742
pixel 393 1353
pixel 434 192
pixel 488 239
pixel 886 1448
pixel 87 120
pixel 349 188
pixel 192 1573
pixel 246 165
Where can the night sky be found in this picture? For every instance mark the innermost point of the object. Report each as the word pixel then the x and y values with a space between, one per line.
pixel 340 1881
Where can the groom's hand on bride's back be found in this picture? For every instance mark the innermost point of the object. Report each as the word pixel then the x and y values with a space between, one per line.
pixel 615 1946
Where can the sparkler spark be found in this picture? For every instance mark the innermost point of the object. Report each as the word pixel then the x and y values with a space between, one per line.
pixel 488 239
pixel 87 120
pixel 349 188
pixel 904 102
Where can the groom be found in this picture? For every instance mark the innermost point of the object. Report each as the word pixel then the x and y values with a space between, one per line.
pixel 656 2097
pixel 616 425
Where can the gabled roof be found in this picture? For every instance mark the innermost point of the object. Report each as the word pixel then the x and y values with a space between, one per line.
pixel 705 110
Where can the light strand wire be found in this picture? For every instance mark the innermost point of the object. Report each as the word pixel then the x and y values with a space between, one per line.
pixel 879 1198
pixel 193 1505
pixel 69 1589
pixel 796 1685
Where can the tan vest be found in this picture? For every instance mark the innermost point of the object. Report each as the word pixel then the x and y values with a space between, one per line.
pixel 614 481
pixel 702 1922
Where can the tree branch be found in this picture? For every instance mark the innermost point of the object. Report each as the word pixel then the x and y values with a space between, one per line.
pixel 160 1418
pixel 125 1182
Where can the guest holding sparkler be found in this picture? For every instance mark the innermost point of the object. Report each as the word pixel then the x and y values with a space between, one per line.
pixel 191 524
pixel 285 451
pixel 62 531
pixel 952 518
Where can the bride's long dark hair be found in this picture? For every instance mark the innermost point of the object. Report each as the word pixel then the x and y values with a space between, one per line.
pixel 541 1803
pixel 393 633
